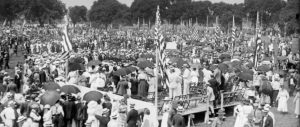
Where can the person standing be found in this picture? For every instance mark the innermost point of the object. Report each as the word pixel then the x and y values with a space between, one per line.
pixel 267 120
pixel 297 103
pixel 178 120
pixel 47 117
pixel 143 88
pixel 113 121
pixel 34 115
pixel 8 117
pixel 174 85
pixel 122 86
pixel 132 116
pixel 276 86
pixel 282 99
pixel 186 79
pixel 104 119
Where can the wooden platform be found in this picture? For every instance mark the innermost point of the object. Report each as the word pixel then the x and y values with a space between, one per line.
pixel 201 107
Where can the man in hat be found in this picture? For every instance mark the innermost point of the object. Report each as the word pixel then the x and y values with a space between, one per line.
pixel 104 119
pixel 178 120
pixel 256 115
pixel 9 115
pixel 267 120
pixel 113 121
pixel 132 116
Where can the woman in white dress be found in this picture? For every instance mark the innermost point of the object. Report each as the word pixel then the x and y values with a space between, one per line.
pixel 72 76
pixel 243 112
pixel 194 76
pixel 297 102
pixel 282 99
pixel 174 85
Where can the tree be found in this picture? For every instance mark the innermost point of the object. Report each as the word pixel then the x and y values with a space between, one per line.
pixel 288 16
pixel 9 9
pixel 107 11
pixel 78 14
pixel 45 10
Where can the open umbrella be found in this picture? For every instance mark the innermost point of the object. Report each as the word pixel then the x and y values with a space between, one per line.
pixel 263 68
pixel 94 62
pixel 245 76
pixel 92 96
pixel 120 72
pixel 75 66
pixel 69 89
pixel 145 64
pixel 50 97
pixel 223 67
pixel 131 68
pixel 51 86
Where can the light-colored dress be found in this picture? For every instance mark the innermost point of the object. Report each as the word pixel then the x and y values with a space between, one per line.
pixel 73 77
pixel 297 103
pixel 242 116
pixel 282 98
pixel 165 117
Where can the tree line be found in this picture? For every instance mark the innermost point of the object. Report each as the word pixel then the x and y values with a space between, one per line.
pixel 106 12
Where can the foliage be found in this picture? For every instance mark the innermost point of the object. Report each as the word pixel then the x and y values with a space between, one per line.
pixel 33 10
pixel 288 15
pixel 107 11
pixel 78 14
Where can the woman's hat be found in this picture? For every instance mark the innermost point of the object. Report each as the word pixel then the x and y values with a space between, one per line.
pixel 114 115
pixel 167 99
pixel 132 105
pixel 105 111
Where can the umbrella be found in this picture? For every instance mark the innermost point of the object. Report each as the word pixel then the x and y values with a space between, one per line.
pixel 263 68
pixel 131 69
pixel 50 97
pixel 223 67
pixel 245 76
pixel 92 96
pixel 69 89
pixel 224 56
pixel 94 62
pixel 266 88
pixel 145 64
pixel 120 72
pixel 75 66
pixel 51 86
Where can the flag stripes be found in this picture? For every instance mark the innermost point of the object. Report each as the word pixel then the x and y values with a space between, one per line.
pixel 66 41
pixel 258 43
pixel 161 46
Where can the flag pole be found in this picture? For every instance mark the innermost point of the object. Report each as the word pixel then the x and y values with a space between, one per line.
pixel 156 62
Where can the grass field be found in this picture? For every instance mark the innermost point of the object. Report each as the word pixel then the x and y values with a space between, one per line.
pixel 282 120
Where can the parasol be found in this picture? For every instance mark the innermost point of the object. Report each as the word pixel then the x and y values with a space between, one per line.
pixel 120 72
pixel 69 89
pixel 223 67
pixel 266 88
pixel 50 97
pixel 51 86
pixel 263 68
pixel 131 69
pixel 245 76
pixel 224 56
pixel 94 62
pixel 75 67
pixel 145 64
pixel 92 96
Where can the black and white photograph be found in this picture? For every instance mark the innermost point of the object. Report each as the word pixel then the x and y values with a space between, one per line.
pixel 149 63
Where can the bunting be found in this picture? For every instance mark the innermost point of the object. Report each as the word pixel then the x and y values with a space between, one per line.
pixel 160 49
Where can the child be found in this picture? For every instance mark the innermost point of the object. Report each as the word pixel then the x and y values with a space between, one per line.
pixel 297 102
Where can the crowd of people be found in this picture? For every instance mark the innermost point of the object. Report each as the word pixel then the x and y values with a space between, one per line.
pixel 123 65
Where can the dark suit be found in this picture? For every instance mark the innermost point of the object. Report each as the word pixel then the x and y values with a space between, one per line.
pixel 42 75
pixel 178 121
pixel 268 122
pixel 18 82
pixel 103 120
pixel 69 108
pixel 132 118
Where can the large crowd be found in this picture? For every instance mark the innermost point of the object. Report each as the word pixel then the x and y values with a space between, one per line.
pixel 124 65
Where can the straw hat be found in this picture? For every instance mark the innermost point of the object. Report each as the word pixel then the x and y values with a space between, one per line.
pixel 47 106
pixel 21 119
pixel 114 115
pixel 132 105
pixel 180 109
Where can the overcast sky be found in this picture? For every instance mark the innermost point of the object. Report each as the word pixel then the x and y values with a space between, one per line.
pixel 88 3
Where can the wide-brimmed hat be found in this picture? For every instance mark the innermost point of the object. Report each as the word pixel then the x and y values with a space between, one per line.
pixel 47 106
pixel 105 111
pixel 167 99
pixel 114 115
pixel 132 105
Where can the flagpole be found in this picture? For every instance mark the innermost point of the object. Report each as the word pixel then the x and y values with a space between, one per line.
pixel 156 65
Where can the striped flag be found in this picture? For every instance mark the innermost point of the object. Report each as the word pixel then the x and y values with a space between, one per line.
pixel 258 43
pixel 160 50
pixel 217 29
pixel 66 41
pixel 233 34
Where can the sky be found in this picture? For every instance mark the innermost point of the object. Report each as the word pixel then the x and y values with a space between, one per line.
pixel 89 3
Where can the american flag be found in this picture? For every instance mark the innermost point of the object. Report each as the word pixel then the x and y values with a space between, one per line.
pixel 233 34
pixel 258 43
pixel 161 46
pixel 217 29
